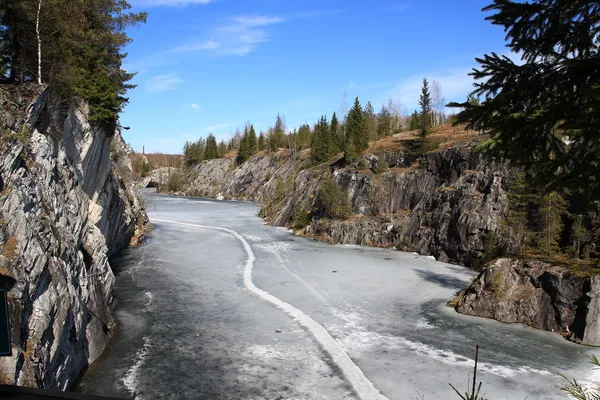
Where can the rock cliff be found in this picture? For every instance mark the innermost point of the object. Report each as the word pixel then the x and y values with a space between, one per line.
pixel 66 204
pixel 536 294
pixel 447 203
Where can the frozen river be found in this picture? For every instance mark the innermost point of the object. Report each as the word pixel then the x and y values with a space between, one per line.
pixel 220 306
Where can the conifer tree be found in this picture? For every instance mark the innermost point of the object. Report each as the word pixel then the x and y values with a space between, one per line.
pixel 252 143
pixel 222 149
pixel 304 137
pixel 243 150
pixel 384 122
pixel 520 197
pixel 425 103
pixel 321 149
pixel 414 121
pixel 211 151
pixel 261 142
pixel 371 127
pixel 336 133
pixel 542 112
pixel 82 49
pixel 356 139
pixel 552 208
pixel 577 233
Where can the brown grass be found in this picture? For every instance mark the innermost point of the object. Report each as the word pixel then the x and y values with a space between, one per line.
pixel 446 135
pixel 10 248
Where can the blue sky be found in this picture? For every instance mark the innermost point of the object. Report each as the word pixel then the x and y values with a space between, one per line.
pixel 212 65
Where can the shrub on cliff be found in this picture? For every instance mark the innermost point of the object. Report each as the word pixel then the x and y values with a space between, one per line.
pixel 332 202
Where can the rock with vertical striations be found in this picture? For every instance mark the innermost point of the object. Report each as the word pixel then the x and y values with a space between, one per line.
pixel 64 207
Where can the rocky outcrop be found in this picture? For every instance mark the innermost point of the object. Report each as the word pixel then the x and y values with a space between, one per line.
pixel 446 203
pixel 65 206
pixel 536 294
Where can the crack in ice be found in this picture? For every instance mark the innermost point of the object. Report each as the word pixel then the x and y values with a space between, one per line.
pixel 361 384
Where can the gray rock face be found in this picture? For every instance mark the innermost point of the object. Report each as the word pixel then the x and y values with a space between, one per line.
pixel 535 294
pixel 447 206
pixel 63 209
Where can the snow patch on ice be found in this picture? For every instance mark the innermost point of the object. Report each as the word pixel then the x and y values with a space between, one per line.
pixel 149 298
pixel 132 377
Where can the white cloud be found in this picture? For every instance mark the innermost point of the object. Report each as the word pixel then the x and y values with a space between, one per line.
pixel 238 37
pixel 217 127
pixel 162 83
pixel 176 3
pixel 194 106
pixel 205 45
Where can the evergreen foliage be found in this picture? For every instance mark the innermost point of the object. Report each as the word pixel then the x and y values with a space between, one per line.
pixel 252 143
pixel 384 122
pixel 211 151
pixel 243 149
pixel 356 139
pixel 371 126
pixel 81 51
pixel 520 197
pixel 323 142
pixel 222 149
pixel 577 234
pixel 337 134
pixel 543 113
pixel 426 109
pixel 331 201
pixel 552 209
pixel 303 138
pixel 414 121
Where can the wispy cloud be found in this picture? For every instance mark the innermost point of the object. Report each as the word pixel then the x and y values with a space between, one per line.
pixel 176 3
pixel 238 37
pixel 194 106
pixel 163 83
pixel 209 44
pixel 217 127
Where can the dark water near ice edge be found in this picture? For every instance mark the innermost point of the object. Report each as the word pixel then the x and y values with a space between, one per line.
pixel 190 329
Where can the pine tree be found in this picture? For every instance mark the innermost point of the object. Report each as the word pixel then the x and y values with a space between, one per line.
pixel 542 112
pixel 425 103
pixel 384 122
pixel 252 143
pixel 243 150
pixel 222 149
pixel 414 121
pixel 272 140
pixel 577 233
pixel 370 122
pixel 261 142
pixel 211 151
pixel 279 132
pixel 322 147
pixel 75 45
pixel 304 137
pixel 356 139
pixel 520 196
pixel 552 209
pixel 336 133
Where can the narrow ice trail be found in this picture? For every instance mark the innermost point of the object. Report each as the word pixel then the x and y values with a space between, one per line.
pixel 361 384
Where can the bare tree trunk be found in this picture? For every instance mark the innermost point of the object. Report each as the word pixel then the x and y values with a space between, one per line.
pixel 39 43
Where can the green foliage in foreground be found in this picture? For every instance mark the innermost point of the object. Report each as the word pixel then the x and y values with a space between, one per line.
pixel 81 45
pixel 332 202
pixel 543 113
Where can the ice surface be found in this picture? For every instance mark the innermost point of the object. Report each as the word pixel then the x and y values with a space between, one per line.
pixel 213 338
